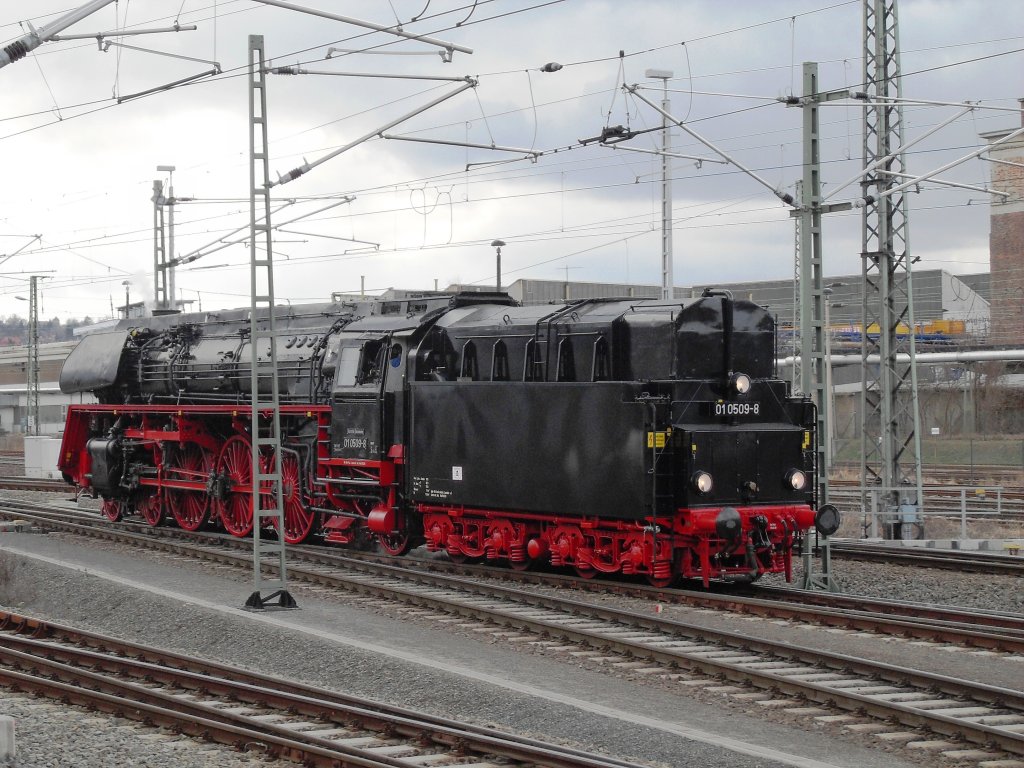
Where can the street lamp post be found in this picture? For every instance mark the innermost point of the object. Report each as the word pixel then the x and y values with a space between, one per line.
pixel 497 244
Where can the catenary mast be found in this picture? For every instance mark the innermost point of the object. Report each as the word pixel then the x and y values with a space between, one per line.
pixel 890 434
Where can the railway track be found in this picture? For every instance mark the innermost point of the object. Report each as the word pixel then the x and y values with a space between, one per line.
pixel 957 560
pixel 955 473
pixel 232 706
pixel 988 717
pixel 1008 506
pixel 1002 632
pixel 34 484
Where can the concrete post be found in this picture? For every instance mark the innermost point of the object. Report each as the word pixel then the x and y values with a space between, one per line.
pixel 6 738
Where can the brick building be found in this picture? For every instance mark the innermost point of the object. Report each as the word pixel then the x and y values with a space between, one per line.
pixel 1006 237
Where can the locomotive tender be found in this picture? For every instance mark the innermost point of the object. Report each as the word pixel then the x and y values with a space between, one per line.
pixel 612 436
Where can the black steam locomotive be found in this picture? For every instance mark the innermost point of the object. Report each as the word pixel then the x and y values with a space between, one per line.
pixel 611 436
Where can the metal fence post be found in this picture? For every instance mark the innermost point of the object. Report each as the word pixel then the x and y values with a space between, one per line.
pixel 963 513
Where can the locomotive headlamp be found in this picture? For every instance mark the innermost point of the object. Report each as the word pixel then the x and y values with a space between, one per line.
pixel 740 383
pixel 796 479
pixel 702 482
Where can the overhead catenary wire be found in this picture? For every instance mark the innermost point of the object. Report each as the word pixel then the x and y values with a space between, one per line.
pixel 100 242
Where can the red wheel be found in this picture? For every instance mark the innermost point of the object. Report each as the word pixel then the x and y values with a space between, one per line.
pixel 660 581
pixel 298 518
pixel 460 558
pixel 113 510
pixel 235 510
pixel 190 508
pixel 585 572
pixel 151 508
pixel 521 565
pixel 394 543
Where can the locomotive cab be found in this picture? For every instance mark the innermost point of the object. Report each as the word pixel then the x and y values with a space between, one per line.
pixel 368 394
pixel 369 371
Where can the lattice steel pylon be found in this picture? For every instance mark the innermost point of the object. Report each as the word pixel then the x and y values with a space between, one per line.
pixel 890 433
pixel 266 399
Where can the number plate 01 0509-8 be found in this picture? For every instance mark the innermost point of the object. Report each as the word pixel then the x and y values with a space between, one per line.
pixel 727 409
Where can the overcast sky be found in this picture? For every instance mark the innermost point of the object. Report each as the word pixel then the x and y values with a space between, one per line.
pixel 78 167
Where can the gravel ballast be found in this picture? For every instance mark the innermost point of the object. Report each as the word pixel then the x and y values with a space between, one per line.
pixel 51 735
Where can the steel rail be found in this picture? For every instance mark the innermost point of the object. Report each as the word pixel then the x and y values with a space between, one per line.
pixel 168 660
pixel 1007 622
pixel 189 724
pixel 90 669
pixel 34 484
pixel 975 562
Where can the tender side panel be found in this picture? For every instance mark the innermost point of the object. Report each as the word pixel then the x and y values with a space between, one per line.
pixel 577 449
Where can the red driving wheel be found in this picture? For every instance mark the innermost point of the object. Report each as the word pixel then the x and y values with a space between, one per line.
pixel 235 510
pixel 151 507
pixel 298 518
pixel 190 508
pixel 113 510
pixel 394 543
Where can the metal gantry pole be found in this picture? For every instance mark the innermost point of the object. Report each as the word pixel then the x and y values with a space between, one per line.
pixel 266 401
pixel 813 350
pixel 811 306
pixel 812 339
pixel 667 267
pixel 159 247
pixel 795 375
pixel 163 242
pixel 32 396
pixel 168 302
pixel 890 433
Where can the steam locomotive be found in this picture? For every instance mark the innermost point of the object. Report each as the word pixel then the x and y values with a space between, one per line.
pixel 610 436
